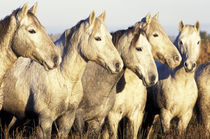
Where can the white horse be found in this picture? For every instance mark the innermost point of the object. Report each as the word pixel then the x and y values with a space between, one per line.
pixel 54 95
pixel 131 100
pixel 176 92
pixel 21 34
pixel 203 82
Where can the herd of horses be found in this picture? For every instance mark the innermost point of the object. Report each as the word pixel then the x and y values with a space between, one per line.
pixel 90 78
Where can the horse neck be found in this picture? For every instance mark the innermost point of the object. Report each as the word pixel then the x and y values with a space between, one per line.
pixel 7 57
pixel 73 65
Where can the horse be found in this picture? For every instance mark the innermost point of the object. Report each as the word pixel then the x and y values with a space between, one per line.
pixel 93 111
pixel 21 34
pixel 202 79
pixel 176 92
pixel 134 90
pixel 54 95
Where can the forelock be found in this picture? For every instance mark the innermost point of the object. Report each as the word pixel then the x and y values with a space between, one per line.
pixel 34 19
pixel 97 26
pixel 155 26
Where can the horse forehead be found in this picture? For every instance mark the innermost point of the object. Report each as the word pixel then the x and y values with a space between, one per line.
pixel 190 33
pixel 156 27
pixel 99 27
pixel 32 19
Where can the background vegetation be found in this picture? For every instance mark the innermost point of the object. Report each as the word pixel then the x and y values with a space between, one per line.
pixel 205 48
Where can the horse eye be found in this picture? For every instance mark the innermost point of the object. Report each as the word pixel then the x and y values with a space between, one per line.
pixel 198 42
pixel 180 43
pixel 139 49
pixel 155 35
pixel 32 31
pixel 97 38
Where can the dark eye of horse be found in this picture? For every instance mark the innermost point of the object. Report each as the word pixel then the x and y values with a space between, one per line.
pixel 198 42
pixel 32 31
pixel 97 38
pixel 180 43
pixel 139 49
pixel 155 35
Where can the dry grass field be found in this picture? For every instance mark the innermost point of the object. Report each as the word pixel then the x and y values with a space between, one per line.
pixel 194 130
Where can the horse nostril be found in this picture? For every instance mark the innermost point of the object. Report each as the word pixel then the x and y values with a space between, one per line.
pixel 193 65
pixel 153 78
pixel 176 58
pixel 56 60
pixel 185 64
pixel 117 66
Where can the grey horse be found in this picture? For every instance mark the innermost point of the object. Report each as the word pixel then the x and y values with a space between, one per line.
pixel 54 95
pixel 100 91
pixel 21 34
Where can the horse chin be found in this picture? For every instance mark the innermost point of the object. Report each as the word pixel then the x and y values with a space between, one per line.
pixel 145 83
pixel 142 78
pixel 110 70
pixel 170 63
pixel 46 67
pixel 160 58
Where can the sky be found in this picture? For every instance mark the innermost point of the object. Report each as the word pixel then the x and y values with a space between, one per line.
pixel 58 15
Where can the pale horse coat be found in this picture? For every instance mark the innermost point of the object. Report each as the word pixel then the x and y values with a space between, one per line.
pixel 176 91
pixel 131 99
pixel 54 95
pixel 203 82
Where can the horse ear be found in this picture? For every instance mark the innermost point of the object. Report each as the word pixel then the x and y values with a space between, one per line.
pixel 23 11
pixel 148 18
pixel 181 25
pixel 103 16
pixel 197 26
pixel 92 18
pixel 33 8
pixel 156 17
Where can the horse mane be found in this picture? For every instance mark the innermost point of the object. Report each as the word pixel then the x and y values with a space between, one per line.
pixel 68 38
pixel 118 34
pixel 68 34
pixel 4 27
pixel 7 29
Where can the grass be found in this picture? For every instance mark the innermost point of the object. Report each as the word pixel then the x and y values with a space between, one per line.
pixel 194 131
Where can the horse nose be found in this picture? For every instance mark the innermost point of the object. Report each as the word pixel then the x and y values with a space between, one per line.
pixel 185 64
pixel 189 66
pixel 117 67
